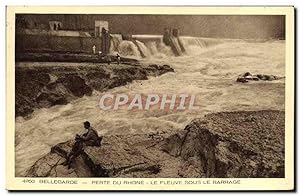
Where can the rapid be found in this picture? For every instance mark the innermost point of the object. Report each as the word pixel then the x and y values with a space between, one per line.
pixel 208 70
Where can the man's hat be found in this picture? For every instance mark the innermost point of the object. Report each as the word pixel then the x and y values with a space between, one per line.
pixel 87 123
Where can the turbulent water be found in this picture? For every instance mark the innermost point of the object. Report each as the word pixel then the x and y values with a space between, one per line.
pixel 208 70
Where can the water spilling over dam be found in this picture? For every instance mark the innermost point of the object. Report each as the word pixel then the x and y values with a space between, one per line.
pixel 153 46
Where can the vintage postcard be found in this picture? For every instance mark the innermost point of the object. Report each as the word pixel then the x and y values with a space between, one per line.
pixel 150 98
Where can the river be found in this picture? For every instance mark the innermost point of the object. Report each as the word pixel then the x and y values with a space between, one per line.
pixel 208 72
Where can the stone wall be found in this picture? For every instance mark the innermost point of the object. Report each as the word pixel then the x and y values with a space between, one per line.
pixel 48 43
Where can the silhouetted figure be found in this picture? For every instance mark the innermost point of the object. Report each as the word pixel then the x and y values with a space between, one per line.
pixel 90 138
pixel 118 59
pixel 75 152
pixel 94 49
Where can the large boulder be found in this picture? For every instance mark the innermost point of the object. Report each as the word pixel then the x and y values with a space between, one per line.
pixel 224 145
pixel 118 156
pixel 231 144
pixel 46 86
pixel 245 77
pixel 76 84
pixel 29 83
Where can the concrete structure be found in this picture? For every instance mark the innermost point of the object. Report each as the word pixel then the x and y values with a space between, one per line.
pixel 68 22
pixel 60 44
pixel 34 37
pixel 55 25
pixel 175 33
pixel 99 26
pixel 171 38
pixel 105 41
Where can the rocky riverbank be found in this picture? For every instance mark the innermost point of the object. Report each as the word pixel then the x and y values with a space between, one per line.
pixel 46 86
pixel 58 56
pixel 226 144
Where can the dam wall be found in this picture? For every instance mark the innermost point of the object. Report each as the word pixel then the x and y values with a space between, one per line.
pixel 148 46
pixel 49 43
pixel 133 46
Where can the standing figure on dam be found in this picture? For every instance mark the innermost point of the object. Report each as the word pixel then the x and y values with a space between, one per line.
pixel 118 59
pixel 90 138
pixel 94 49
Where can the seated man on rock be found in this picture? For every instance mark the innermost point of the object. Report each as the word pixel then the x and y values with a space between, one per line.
pixel 90 138
pixel 77 149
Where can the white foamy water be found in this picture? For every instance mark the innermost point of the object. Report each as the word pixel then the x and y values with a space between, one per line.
pixel 209 72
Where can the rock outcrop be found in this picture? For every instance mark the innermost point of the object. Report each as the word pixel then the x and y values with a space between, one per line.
pixel 231 144
pixel 44 86
pixel 245 77
pixel 119 156
pixel 227 144
pixel 71 56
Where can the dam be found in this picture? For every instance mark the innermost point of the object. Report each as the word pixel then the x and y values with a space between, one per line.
pixel 58 43
pixel 80 38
